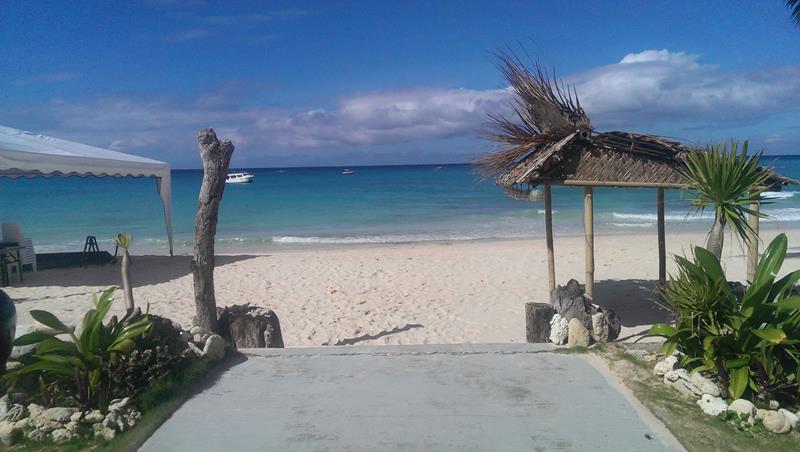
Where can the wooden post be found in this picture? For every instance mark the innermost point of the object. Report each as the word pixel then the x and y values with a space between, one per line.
pixel 548 227
pixel 752 244
pixel 216 157
pixel 662 244
pixel 588 230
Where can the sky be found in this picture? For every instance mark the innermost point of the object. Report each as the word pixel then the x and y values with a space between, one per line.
pixel 303 83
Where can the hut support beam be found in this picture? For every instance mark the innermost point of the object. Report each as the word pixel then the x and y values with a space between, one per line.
pixel 662 244
pixel 588 230
pixel 752 244
pixel 548 226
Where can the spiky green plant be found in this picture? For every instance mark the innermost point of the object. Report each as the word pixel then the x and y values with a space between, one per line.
pixel 727 181
pixel 124 241
pixel 750 341
pixel 794 8
pixel 80 364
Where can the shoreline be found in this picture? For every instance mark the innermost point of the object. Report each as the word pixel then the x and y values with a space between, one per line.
pixel 766 228
pixel 409 293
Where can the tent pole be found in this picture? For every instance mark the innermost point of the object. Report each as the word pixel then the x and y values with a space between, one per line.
pixel 164 187
pixel 588 230
pixel 752 244
pixel 548 225
pixel 662 246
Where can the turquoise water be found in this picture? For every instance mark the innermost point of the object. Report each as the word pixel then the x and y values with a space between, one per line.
pixel 296 206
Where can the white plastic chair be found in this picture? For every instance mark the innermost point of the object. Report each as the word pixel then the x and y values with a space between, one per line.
pixel 13 232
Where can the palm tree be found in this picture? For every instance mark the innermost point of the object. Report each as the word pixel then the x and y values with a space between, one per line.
pixel 729 182
pixel 794 7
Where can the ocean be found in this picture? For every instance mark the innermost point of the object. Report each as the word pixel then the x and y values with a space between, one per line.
pixel 305 206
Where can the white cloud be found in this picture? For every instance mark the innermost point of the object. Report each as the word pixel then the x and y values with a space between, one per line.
pixel 386 117
pixel 655 86
pixel 647 91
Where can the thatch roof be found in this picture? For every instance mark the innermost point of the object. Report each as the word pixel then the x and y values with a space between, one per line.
pixel 551 140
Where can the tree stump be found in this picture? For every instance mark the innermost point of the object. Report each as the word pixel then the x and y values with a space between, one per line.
pixel 216 157
pixel 537 322
pixel 248 326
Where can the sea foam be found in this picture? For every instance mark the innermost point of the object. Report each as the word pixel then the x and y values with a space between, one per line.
pixel 778 194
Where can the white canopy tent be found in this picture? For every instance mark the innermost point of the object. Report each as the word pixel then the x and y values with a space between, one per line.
pixel 26 154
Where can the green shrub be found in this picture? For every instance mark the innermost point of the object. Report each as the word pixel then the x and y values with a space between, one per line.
pixel 81 363
pixel 749 342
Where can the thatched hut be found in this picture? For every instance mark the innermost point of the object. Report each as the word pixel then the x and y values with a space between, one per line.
pixel 550 141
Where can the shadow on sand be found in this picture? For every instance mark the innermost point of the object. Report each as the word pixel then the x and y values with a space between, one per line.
pixel 368 337
pixel 145 270
pixel 634 300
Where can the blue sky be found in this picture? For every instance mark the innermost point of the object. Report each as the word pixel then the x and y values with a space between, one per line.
pixel 346 83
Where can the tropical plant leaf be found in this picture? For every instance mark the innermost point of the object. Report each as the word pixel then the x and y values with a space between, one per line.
pixel 55 345
pixel 782 287
pixel 669 347
pixel 662 330
pixel 70 361
pixel 123 346
pixel 49 320
pixel 736 363
pixel 709 263
pixel 45 366
pixel 771 334
pixel 739 379
pixel 771 261
pixel 789 304
pixel 31 338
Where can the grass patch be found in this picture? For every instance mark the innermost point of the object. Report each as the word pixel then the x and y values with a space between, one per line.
pixel 695 430
pixel 576 350
pixel 157 404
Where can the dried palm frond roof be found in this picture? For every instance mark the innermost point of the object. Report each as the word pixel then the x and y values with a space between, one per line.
pixel 550 139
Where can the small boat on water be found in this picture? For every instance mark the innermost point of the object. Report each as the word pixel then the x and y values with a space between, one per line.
pixel 347 171
pixel 239 178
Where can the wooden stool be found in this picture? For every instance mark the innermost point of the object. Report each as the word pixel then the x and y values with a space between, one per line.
pixel 90 246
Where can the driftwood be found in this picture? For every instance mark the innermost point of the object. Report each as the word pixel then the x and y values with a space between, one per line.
pixel 216 157
pixel 125 268
pixel 124 241
pixel 537 322
pixel 248 326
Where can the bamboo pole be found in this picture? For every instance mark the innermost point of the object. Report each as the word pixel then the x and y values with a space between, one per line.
pixel 594 183
pixel 752 244
pixel 588 230
pixel 662 245
pixel 548 226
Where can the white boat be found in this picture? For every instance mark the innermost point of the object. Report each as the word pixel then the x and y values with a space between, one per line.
pixel 239 178
pixel 347 171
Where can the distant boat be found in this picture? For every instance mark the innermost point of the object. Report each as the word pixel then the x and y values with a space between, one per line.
pixel 438 168
pixel 239 178
pixel 347 171
pixel 281 170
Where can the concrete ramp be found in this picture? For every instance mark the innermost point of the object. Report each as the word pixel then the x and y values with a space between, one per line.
pixel 510 397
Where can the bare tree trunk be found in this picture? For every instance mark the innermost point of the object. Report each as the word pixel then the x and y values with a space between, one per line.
pixel 216 157
pixel 716 238
pixel 126 279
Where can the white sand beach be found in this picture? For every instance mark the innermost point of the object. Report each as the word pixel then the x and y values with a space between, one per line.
pixel 454 292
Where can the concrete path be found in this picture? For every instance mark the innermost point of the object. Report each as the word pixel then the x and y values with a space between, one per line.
pixel 412 398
